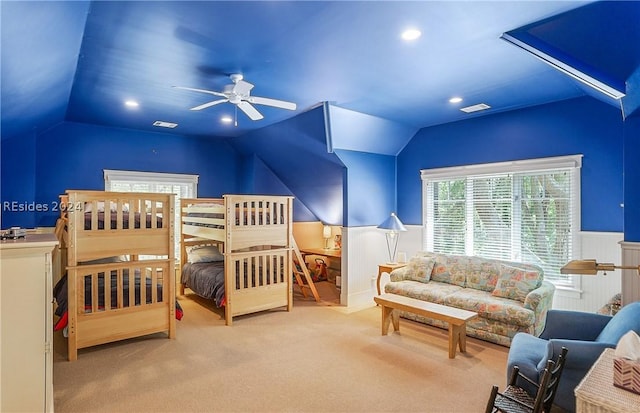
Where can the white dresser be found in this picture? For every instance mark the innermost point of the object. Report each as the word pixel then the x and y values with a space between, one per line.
pixel 26 324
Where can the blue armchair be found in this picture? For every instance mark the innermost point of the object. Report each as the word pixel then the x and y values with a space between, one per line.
pixel 585 335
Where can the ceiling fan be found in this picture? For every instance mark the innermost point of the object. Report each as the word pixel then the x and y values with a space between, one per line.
pixel 238 93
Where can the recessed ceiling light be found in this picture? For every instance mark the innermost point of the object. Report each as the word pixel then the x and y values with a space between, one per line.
pixel 163 124
pixel 411 34
pixel 455 100
pixel 131 104
pixel 475 108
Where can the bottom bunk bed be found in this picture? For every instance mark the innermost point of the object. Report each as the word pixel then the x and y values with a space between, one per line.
pixel 255 281
pixel 115 299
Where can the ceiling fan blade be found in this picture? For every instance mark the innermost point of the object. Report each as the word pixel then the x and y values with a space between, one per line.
pixel 249 110
pixel 209 104
pixel 272 102
pixel 242 88
pixel 211 92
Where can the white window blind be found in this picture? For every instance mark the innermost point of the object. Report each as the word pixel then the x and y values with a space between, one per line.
pixel 524 211
pixel 182 185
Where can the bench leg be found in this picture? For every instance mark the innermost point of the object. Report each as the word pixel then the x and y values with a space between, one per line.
pixel 457 338
pixel 388 316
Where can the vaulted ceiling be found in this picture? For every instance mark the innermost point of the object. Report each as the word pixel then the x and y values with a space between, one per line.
pixel 80 61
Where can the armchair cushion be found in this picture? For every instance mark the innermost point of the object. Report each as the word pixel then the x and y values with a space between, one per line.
pixel 574 325
pixel 621 324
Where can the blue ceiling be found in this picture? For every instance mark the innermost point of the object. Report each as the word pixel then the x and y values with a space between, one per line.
pixel 79 61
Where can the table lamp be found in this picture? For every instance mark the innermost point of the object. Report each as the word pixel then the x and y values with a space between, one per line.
pixel 393 226
pixel 326 234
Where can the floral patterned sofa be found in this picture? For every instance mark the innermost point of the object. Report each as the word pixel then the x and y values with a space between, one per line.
pixel 509 297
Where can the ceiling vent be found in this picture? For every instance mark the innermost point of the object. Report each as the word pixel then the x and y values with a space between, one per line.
pixel 475 108
pixel 164 124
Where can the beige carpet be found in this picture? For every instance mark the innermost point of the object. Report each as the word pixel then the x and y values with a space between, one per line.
pixel 316 358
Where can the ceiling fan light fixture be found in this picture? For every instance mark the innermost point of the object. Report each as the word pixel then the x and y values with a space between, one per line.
pixel 239 94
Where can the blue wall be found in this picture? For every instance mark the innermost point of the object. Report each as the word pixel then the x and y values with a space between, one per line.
pixel 291 158
pixel 578 126
pixel 73 156
pixel 295 152
pixel 18 181
pixel 632 179
pixel 371 191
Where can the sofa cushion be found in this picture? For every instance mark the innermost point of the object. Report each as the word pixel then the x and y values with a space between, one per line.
pixel 450 269
pixel 515 283
pixel 433 291
pixel 482 274
pixel 419 269
pixel 500 309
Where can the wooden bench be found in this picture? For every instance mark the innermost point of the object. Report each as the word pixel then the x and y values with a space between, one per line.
pixel 457 318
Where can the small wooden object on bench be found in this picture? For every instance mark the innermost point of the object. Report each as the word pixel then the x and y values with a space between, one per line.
pixel 456 318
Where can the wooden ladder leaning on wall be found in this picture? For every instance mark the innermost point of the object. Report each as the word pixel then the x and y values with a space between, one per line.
pixel 300 270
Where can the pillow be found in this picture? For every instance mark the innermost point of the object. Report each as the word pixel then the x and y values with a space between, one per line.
pixel 516 283
pixel 209 253
pixel 419 269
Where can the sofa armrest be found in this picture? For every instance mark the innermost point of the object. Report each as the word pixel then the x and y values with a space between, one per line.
pixel 398 274
pixel 540 301
pixel 574 325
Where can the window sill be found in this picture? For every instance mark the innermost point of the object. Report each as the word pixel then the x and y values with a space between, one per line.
pixel 568 292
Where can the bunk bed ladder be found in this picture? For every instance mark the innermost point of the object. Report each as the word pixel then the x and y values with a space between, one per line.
pixel 300 270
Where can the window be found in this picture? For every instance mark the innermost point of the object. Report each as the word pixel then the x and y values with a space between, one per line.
pixel 525 211
pixel 182 185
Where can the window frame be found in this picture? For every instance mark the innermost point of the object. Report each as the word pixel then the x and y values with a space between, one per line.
pixel 538 165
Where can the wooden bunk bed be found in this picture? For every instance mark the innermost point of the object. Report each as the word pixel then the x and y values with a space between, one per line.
pixel 254 234
pixel 109 299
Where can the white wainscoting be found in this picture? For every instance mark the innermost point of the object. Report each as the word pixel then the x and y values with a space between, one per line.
pixel 630 278
pixel 366 248
pixel 597 290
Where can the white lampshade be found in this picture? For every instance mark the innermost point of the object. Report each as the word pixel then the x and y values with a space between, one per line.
pixel 326 231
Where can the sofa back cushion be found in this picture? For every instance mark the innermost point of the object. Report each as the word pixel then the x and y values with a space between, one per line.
pixel 450 269
pixel 482 274
pixel 515 282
